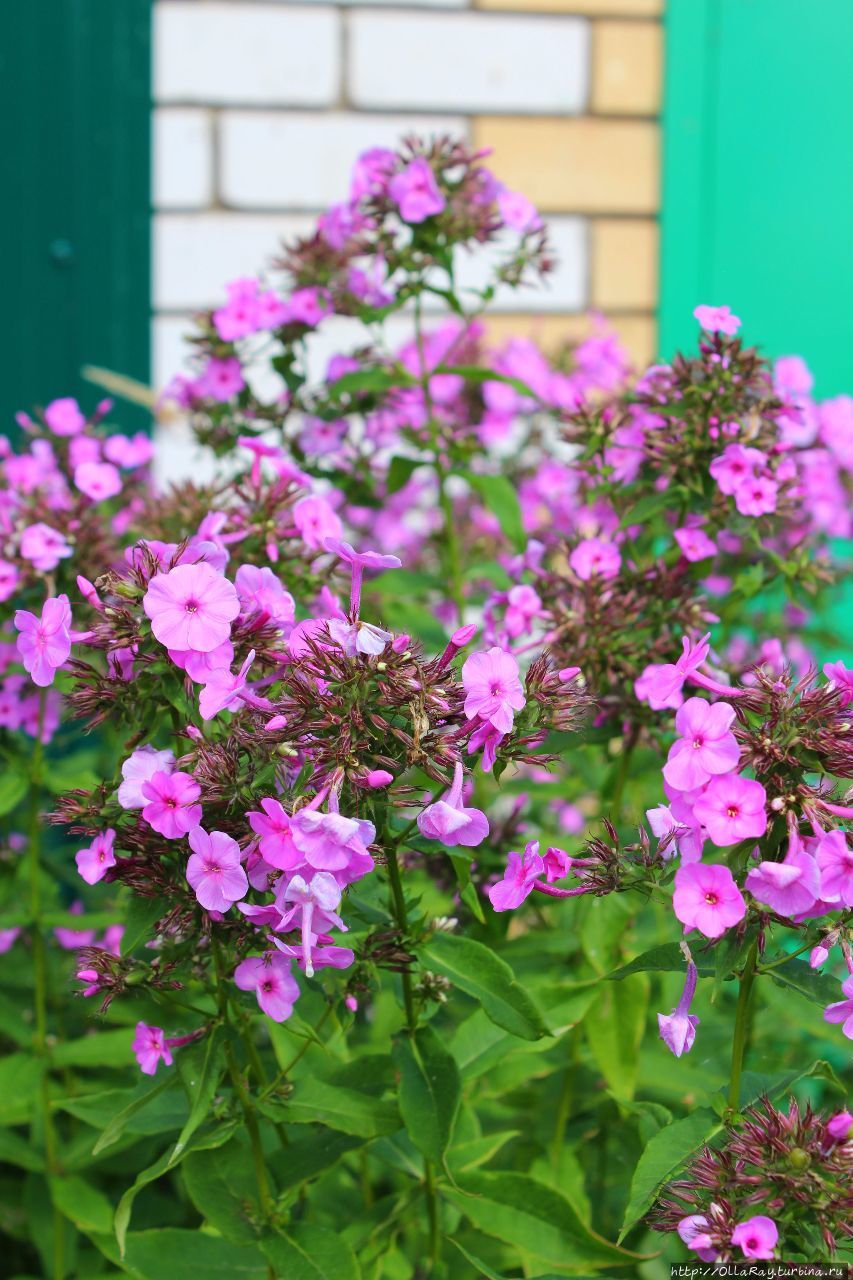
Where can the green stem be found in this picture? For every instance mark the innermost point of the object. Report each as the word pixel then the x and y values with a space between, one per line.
pixel 454 560
pixel 742 1019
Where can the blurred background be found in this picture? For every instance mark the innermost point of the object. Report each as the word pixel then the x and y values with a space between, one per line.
pixel 683 151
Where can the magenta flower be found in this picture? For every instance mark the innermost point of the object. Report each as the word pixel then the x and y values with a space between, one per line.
pixel 64 417
pixel 835 859
pixel 138 768
pixel 358 562
pixel 150 1046
pixel 839 1125
pixel 705 747
pixel 493 688
pixel 44 547
pixel 842 1010
pixel 519 878
pixel 273 827
pixel 191 607
pixel 517 212
pixel 222 689
pixel 756 496
pixel 171 806
pixel 756 1237
pixel 660 684
pixel 358 637
pixel 314 907
pixel 717 319
pixel 270 978
pixel 221 380
pixel 94 863
pixel 789 887
pixel 557 862
pixel 332 842
pixel 44 643
pixel 260 593
pixel 693 1231
pixel 214 870
pixel 595 558
pixel 316 521
pixel 695 544
pixel 706 898
pixel 678 1029
pixel 677 819
pixel 98 480
pixel 736 465
pixel 841 678
pixel 415 191
pixel 450 822
pixel 9 577
pixel 732 808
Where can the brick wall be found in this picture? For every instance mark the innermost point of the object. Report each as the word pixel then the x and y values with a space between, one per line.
pixel 262 105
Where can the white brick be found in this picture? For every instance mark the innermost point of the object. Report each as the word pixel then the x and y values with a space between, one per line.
pixel 468 62
pixel 215 52
pixel 564 288
pixel 288 160
pixel 183 158
pixel 195 255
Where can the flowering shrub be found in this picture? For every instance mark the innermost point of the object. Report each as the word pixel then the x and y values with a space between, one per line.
pixel 391 800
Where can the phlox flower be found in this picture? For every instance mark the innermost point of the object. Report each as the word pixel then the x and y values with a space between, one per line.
pixel 835 860
pixel 717 319
pixel 129 452
pixel 307 306
pixel 200 667
pixel 706 898
pixel 214 870
pixel 94 863
pixel 316 521
pixel 221 380
pixel 358 637
pixel 314 905
pixel 677 817
pixel 332 842
pixel 557 862
pixel 756 1237
pixel 450 822
pixel 839 1125
pixel 842 1010
pixel 736 465
pixel 415 191
pixel 44 642
pixel 191 607
pixel 523 605
pixel 756 496
pixel 273 827
pixel 171 806
pixel 695 544
pixel 678 1029
pixel 842 679
pixel 64 417
pixel 705 746
pixel 239 317
pixel 517 212
pixel 518 880
pixel 222 689
pixel 44 547
pixel 98 480
pixel 487 739
pixel 493 688
pixel 789 887
pixel 371 172
pixel 261 593
pixel 358 562
pixel 9 577
pixel 732 808
pixel 660 684
pixel 150 1045
pixel 693 1231
pixel 270 978
pixel 138 768
pixel 595 558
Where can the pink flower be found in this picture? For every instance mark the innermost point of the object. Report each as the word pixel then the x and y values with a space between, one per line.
pixel 493 688
pixel 706 746
pixel 519 878
pixel 371 172
pixel 315 903
pixel 171 806
pixel 98 480
pixel 517 212
pixel 64 417
pixel 261 593
pixel 44 547
pixel 557 862
pixel 695 544
pixel 842 1010
pixel 732 808
pixel 835 859
pixel 789 887
pixel 735 465
pixel 316 521
pixel 150 1046
pixel 191 607
pixel 332 842
pixel 239 317
pixel 678 1029
pixel 595 558
pixel 756 496
pixel 840 677
pixel 221 380
pixel 415 191
pixel 706 898
pixel 270 978
pixel 94 863
pixel 839 1125
pixel 214 870
pixel 717 320
pixel 660 684
pixel 523 605
pixel 223 690
pixel 9 577
pixel 450 822
pixel 358 637
pixel 756 1237
pixel 358 562
pixel 44 643
pixel 138 768
pixel 693 1231
pixel 276 844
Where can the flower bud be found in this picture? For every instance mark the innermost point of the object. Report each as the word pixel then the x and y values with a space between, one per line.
pixel 839 1125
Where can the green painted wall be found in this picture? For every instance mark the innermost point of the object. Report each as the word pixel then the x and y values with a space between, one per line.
pixel 758 175
pixel 75 101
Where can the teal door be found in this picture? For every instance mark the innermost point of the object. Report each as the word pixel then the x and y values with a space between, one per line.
pixel 75 104
pixel 758 187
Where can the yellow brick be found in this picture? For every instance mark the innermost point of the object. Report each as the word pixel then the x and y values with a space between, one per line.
pixel 624 271
pixel 626 68
pixel 592 8
pixel 638 333
pixel 576 166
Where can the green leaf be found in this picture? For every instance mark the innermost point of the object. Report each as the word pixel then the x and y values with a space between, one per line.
pixel 200 1067
pixel 13 788
pixel 318 1101
pixel 98 1049
pixel 372 381
pixel 668 958
pixel 663 1156
pixel 140 918
pixel 430 1091
pixel 614 1030
pixel 20 1079
pixel 467 891
pixel 473 373
pixel 18 1151
pixel 465 1156
pixel 648 506
pixel 400 472
pixel 81 1203
pixel 534 1219
pixel 480 973
pixel 192 1255
pixel 118 1123
pixel 222 1186
pixel 306 1252
pixel 797 975
pixel 501 499
pixel 306 1158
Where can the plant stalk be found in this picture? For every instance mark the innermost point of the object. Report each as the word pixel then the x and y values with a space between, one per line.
pixel 742 1020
